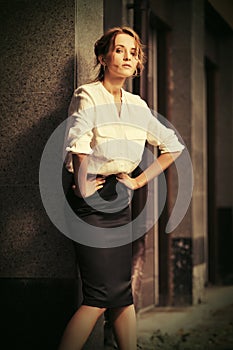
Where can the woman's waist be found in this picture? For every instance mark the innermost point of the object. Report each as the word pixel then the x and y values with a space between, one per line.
pixel 111 168
pixel 105 167
pixel 113 192
pixel 108 177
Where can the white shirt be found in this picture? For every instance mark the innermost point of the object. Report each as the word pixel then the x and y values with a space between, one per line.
pixel 115 142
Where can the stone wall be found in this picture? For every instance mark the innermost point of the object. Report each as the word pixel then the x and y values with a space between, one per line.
pixel 36 261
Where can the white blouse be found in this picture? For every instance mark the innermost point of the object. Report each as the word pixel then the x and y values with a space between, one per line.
pixel 115 142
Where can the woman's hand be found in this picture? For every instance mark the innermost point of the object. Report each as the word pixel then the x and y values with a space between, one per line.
pixel 157 167
pixel 128 181
pixel 92 185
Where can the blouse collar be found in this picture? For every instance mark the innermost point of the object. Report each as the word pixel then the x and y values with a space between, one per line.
pixel 110 95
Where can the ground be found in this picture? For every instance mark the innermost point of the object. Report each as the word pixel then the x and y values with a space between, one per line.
pixel 214 332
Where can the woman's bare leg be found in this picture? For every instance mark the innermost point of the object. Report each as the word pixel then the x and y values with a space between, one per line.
pixel 80 327
pixel 124 323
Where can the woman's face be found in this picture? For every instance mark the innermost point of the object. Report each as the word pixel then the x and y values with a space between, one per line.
pixel 122 60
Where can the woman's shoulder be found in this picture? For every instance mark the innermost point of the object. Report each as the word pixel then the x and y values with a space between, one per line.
pixel 84 97
pixel 88 88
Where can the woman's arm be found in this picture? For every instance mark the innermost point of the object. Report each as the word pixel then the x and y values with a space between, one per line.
pixel 80 173
pixel 156 168
pixel 83 186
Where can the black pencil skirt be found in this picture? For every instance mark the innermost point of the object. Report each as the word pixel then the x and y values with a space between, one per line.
pixel 105 272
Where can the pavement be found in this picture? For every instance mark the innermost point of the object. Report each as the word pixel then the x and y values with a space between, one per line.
pixel 208 325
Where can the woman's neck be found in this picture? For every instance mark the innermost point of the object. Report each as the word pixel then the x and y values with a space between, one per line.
pixel 114 86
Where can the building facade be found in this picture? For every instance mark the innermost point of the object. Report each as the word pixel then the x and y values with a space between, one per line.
pixel 47 50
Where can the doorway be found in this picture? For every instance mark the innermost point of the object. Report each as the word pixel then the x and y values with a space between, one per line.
pixel 213 258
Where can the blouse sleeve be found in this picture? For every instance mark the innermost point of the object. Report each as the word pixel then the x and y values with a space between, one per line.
pixel 163 137
pixel 80 123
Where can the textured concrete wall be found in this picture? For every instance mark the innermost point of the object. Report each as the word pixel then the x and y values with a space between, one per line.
pixel 37 59
pixel 36 261
pixel 89 28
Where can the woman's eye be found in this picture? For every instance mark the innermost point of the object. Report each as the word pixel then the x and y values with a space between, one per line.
pixel 119 50
pixel 134 54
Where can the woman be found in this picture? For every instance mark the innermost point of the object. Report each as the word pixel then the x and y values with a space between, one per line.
pixel 106 138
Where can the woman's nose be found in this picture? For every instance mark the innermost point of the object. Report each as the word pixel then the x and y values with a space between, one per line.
pixel 127 56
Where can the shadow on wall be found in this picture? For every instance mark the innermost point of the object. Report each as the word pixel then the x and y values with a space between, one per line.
pixel 38 289
pixel 29 236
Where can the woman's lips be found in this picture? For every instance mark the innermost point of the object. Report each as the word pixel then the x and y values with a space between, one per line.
pixel 127 65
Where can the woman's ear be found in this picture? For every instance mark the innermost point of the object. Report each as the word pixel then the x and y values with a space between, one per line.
pixel 102 60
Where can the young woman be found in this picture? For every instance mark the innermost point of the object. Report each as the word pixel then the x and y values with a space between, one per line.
pixel 105 142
